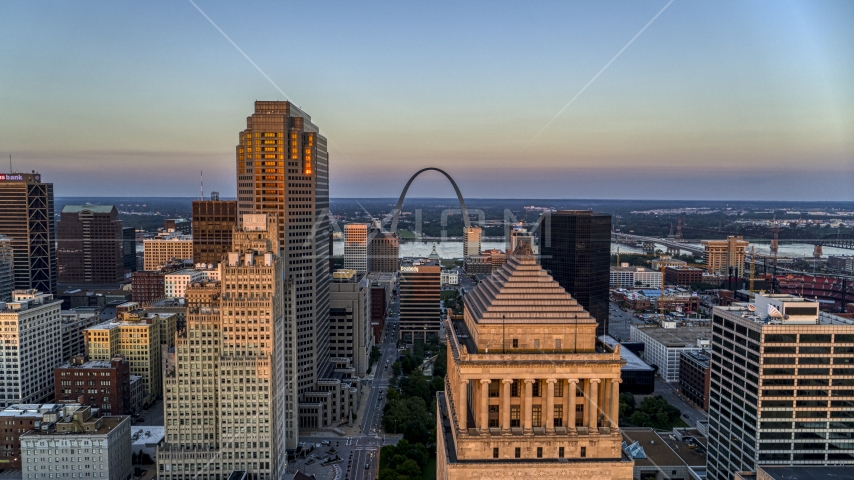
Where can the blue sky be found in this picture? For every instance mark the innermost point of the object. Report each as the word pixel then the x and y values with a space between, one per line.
pixel 722 100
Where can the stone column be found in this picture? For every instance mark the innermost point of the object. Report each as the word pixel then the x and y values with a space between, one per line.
pixel 505 405
pixel 572 385
pixel 594 403
pixel 529 392
pixel 463 408
pixel 550 405
pixel 585 417
pixel 483 423
pixel 615 402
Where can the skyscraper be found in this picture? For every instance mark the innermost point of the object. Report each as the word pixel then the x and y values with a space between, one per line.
pixel 782 386
pixel 7 268
pixel 90 245
pixel 721 255
pixel 283 170
pixel 233 348
pixel 575 247
pixel 529 391
pixel 26 217
pixel 472 237
pixel 383 252
pixel 356 247
pixel 213 224
pixel 420 290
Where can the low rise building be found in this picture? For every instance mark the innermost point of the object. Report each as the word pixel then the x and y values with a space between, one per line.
pixel 659 456
pixel 15 420
pixel 30 346
pixel 102 385
pixel 635 277
pixel 695 376
pixel 683 276
pixel 450 277
pixel 175 283
pixel 638 377
pixel 103 444
pixel 667 261
pixel 664 345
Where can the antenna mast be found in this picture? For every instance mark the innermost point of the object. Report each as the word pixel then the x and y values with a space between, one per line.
pixel 201 185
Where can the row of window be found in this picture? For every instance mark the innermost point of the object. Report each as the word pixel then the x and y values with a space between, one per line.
pixel 517 452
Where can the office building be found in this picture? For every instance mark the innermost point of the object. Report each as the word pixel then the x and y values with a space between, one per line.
pixel 575 248
pixel 102 385
pixel 160 251
pixel 695 377
pixel 804 472
pixel 129 249
pixel 103 445
pixel 243 319
pixel 682 276
pixel 7 268
pixel 664 345
pixel 31 339
pixel 175 283
pixel 529 391
pixel 625 276
pixel 283 170
pixel 26 217
pixel 356 247
pixel 73 324
pixel 138 341
pixel 472 237
pixel 844 264
pixel 720 256
pixel 383 252
pixel 350 319
pixel 213 223
pixel 90 241
pixel 383 286
pixel 420 289
pixel 782 386
pixel 150 286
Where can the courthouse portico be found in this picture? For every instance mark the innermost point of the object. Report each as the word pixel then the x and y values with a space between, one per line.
pixel 527 384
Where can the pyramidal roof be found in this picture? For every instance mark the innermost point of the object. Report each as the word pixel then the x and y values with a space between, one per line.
pixel 522 292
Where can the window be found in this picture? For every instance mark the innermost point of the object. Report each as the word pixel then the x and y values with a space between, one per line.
pixel 539 452
pixel 557 344
pixel 560 452
pixel 515 343
pixel 559 388
pixel 536 343
pixel 537 414
pixel 583 452
pixel 495 452
pixel 535 388
pixel 518 452
pixel 514 388
pixel 514 416
pixel 558 417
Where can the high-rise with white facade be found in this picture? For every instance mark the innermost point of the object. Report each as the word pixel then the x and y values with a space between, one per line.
pixel 233 355
pixel 782 387
pixel 356 247
pixel 472 237
pixel 31 343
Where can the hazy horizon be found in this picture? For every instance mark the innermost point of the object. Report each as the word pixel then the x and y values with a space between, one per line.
pixel 612 100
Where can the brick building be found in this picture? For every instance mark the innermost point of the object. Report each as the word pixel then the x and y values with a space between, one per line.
pixel 695 377
pixel 100 384
pixel 682 276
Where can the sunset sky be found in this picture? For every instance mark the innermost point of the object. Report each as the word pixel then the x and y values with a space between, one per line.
pixel 713 100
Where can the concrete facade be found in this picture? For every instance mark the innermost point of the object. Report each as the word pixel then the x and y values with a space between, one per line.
pixel 529 391
pixel 349 319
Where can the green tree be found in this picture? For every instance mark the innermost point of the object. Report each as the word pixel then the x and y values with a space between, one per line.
pixel 410 469
pixel 640 419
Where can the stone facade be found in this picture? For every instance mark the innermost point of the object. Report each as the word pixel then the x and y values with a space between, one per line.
pixel 529 391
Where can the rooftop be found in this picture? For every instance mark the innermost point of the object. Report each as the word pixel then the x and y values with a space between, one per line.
pixel 146 435
pixel 633 362
pixel 805 472
pixel 676 337
pixel 661 451
pixel 29 409
pixel 700 357
pixel 91 208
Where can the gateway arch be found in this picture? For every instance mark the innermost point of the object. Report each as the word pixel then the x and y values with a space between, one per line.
pixel 403 195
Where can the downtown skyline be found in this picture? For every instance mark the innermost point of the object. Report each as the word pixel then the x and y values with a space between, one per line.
pixel 733 102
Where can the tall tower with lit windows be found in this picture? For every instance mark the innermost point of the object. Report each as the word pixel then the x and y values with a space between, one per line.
pixel 283 171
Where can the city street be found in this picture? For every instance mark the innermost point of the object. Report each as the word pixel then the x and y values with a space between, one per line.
pixel 361 451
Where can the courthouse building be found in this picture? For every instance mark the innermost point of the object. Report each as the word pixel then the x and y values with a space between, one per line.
pixel 529 391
